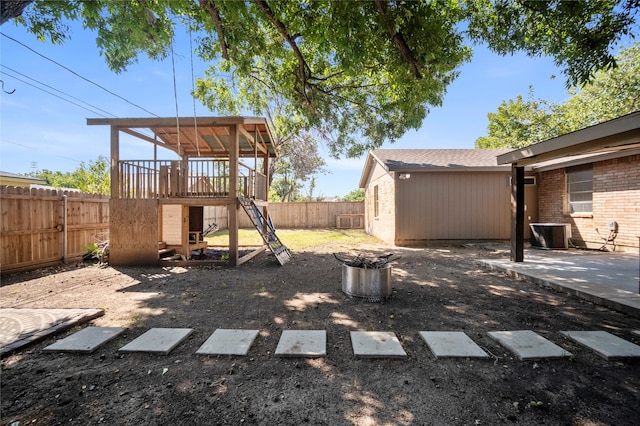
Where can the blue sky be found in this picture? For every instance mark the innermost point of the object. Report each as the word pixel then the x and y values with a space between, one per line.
pixel 41 131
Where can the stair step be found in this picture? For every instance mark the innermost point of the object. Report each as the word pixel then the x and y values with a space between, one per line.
pixel 166 252
pixel 268 236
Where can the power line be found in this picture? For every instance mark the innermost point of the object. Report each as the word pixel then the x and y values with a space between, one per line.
pixel 53 94
pixel 57 90
pixel 78 75
pixel 36 149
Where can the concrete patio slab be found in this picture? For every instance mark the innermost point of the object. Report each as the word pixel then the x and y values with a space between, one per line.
pixel 376 344
pixel 605 344
pixel 158 340
pixel 452 344
pixel 20 327
pixel 528 345
pixel 608 279
pixel 302 343
pixel 228 342
pixel 86 340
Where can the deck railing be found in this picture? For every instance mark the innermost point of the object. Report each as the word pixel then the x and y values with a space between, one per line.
pixel 146 179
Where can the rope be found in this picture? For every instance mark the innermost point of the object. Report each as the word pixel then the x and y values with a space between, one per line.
pixel 175 94
pixel 193 87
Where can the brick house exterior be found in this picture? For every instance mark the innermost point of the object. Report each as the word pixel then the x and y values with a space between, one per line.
pixel 589 179
pixel 616 197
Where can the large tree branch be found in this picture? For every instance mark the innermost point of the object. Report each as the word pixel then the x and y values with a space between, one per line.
pixel 12 9
pixel 210 7
pixel 399 41
pixel 303 67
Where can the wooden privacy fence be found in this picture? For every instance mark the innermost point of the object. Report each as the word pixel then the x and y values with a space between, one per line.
pixel 33 232
pixel 314 215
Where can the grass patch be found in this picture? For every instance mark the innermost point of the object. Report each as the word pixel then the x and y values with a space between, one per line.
pixel 296 239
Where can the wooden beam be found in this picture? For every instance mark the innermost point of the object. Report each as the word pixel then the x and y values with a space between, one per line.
pixel 147 138
pixel 517 213
pixel 234 151
pixel 115 158
pixel 249 256
pixel 150 122
pixel 251 139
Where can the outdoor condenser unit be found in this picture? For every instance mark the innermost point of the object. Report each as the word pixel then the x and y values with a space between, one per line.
pixel 550 235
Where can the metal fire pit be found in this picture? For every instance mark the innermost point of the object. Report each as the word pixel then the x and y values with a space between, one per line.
pixel 368 279
pixel 371 284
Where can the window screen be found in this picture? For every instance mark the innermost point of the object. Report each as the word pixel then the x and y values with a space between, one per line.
pixel 375 201
pixel 580 190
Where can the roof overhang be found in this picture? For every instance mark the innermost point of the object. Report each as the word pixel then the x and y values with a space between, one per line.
pixel 619 134
pixel 207 137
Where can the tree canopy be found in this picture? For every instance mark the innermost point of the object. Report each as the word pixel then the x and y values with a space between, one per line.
pixel 356 73
pixel 92 178
pixel 612 93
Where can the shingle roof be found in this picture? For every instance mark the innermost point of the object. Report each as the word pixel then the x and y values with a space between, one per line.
pixel 421 159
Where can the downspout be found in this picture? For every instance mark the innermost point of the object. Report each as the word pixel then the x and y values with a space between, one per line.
pixel 64 228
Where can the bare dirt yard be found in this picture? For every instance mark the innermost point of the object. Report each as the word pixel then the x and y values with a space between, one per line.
pixel 434 289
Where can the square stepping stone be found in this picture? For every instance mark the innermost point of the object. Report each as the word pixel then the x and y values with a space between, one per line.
pixel 158 340
pixel 605 344
pixel 228 342
pixel 86 340
pixel 528 345
pixel 376 344
pixel 452 344
pixel 302 343
pixel 636 332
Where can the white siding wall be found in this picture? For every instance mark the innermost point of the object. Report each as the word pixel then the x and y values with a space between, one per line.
pixel 172 224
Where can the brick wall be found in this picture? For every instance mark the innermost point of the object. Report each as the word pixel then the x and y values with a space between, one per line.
pixel 383 226
pixel 616 196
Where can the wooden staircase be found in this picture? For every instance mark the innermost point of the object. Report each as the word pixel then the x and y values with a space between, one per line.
pixel 165 253
pixel 266 229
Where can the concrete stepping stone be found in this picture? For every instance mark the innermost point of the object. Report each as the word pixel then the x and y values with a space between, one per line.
pixel 605 344
pixel 452 344
pixel 302 343
pixel 528 345
pixel 158 340
pixel 228 342
pixel 86 340
pixel 376 344
pixel 636 332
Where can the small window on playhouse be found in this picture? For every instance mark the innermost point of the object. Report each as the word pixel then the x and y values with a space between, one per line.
pixel 580 190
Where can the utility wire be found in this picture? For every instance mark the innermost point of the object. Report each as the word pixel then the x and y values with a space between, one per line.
pixel 57 90
pixel 38 149
pixel 53 94
pixel 78 75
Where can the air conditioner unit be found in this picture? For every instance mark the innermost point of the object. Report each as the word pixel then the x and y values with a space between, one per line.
pixel 550 235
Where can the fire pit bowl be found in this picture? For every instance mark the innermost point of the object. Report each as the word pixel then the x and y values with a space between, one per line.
pixel 369 279
pixel 371 284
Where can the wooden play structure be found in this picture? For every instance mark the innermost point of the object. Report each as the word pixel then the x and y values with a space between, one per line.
pixel 157 205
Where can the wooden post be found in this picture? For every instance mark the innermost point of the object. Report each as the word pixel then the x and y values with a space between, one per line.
pixel 517 213
pixel 232 208
pixel 115 158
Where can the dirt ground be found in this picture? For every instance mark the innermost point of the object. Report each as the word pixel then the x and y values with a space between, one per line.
pixel 433 289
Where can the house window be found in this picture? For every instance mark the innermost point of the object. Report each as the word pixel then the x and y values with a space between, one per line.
pixel 580 190
pixel 376 210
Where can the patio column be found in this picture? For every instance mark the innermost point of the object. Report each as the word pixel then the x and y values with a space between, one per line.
pixel 517 213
